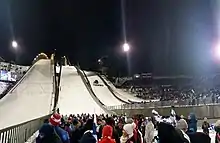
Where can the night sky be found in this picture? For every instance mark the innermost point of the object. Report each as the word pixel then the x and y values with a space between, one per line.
pixel 168 37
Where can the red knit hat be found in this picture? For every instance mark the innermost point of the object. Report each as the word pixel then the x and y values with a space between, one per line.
pixel 55 119
pixel 107 131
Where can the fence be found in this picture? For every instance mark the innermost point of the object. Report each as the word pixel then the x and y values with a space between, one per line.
pixel 158 104
pixel 21 132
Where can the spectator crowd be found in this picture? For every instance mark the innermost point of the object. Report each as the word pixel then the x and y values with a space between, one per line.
pixel 87 128
pixel 170 89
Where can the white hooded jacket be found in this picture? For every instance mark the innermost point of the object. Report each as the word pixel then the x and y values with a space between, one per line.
pixel 149 132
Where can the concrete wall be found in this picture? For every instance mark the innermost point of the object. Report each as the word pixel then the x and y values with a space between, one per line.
pixel 209 111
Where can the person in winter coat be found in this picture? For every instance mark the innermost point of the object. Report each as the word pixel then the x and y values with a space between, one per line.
pixel 192 123
pixel 55 121
pixel 168 134
pixel 107 135
pixel 101 124
pixel 110 121
pixel 88 133
pixel 149 131
pixel 75 137
pixel 217 130
pixel 119 129
pixel 205 126
pixel 137 134
pixel 128 135
pixel 183 127
pixel 47 134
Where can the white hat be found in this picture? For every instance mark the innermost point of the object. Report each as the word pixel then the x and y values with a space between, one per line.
pixel 129 128
pixel 182 124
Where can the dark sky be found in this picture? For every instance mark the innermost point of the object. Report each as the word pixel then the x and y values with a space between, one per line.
pixel 167 36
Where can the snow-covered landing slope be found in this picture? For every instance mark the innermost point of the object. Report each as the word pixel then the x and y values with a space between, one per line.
pixel 121 94
pixel 102 92
pixel 74 97
pixel 31 98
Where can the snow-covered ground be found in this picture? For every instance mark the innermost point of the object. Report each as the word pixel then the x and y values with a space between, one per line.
pixel 30 98
pixel 102 92
pixel 74 97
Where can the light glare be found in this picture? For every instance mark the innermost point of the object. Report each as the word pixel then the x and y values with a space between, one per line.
pixel 126 47
pixel 14 44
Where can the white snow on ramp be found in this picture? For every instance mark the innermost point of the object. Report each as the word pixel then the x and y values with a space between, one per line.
pixel 31 98
pixel 74 97
pixel 102 92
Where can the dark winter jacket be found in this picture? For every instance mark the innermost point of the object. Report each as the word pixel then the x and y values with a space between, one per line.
pixel 192 123
pixel 87 138
pixel 217 136
pixel 199 137
pixel 205 127
pixel 76 136
pixel 47 134
pixel 64 136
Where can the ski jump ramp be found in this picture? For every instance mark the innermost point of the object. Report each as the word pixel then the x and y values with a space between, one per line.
pixel 30 98
pixel 74 98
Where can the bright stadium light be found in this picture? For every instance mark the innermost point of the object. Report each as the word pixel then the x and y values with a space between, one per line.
pixel 217 52
pixel 14 44
pixel 126 47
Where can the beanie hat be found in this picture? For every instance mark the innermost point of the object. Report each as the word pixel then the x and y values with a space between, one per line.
pixel 182 124
pixel 55 119
pixel 107 131
pixel 129 121
pixel 129 128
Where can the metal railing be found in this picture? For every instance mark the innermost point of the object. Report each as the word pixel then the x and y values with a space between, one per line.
pixel 162 104
pixel 22 132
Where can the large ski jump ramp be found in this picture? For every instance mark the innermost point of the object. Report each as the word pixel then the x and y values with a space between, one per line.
pixel 74 98
pixel 30 98
pixel 102 92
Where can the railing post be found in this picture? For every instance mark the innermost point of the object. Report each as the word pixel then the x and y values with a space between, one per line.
pixel 25 134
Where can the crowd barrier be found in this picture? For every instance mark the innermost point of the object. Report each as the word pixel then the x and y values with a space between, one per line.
pixel 21 132
pixel 158 104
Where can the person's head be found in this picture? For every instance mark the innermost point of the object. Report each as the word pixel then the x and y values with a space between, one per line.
pixel 192 116
pixel 182 117
pixel 107 131
pixel 120 125
pixel 205 119
pixel 110 121
pixel 75 122
pixel 129 121
pixel 99 121
pixel 55 119
pixel 89 124
pixel 149 119
pixel 182 125
pixel 103 123
pixel 128 130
